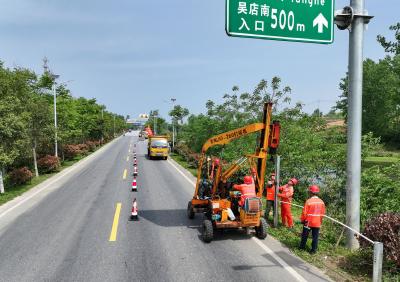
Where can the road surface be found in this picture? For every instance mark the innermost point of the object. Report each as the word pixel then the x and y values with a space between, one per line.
pixel 70 229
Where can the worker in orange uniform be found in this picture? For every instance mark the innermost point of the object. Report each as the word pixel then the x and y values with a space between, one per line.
pixel 270 195
pixel 247 189
pixel 311 217
pixel 286 195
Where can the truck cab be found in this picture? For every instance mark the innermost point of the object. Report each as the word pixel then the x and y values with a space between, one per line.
pixel 158 147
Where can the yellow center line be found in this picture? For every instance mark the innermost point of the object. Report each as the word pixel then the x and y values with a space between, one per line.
pixel 114 229
pixel 125 172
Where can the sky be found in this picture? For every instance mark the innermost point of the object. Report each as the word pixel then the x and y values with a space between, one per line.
pixel 134 56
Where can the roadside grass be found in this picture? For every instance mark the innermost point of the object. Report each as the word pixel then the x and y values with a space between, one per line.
pixel 339 263
pixel 380 161
pixel 180 160
pixel 383 159
pixel 15 191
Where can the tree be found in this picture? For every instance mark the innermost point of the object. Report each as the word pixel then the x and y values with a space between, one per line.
pixel 392 47
pixel 178 113
pixel 381 95
pixel 13 117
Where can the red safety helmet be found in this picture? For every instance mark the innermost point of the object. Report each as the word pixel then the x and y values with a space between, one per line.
pixel 313 189
pixel 248 179
pixel 216 162
pixel 294 181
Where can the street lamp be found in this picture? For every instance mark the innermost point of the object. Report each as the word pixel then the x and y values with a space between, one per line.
pixel 55 76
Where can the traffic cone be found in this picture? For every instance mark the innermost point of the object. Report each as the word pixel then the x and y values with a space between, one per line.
pixel 134 184
pixel 135 162
pixel 134 212
pixel 135 171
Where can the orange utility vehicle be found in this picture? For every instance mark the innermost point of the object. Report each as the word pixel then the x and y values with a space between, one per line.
pixel 215 197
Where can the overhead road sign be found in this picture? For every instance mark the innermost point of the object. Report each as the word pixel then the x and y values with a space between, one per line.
pixel 289 20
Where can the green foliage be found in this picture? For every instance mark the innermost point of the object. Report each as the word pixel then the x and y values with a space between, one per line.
pixel 178 113
pixel 381 93
pixel 379 190
pixel 391 46
pixel 27 118
pixel 159 122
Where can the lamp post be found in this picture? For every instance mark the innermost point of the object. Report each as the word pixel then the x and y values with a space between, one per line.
pixel 55 76
pixel 173 125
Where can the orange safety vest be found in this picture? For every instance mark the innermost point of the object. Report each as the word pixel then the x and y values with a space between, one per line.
pixel 247 191
pixel 313 212
pixel 286 193
pixel 270 192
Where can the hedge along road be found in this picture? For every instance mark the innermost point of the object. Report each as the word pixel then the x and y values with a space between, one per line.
pixel 65 234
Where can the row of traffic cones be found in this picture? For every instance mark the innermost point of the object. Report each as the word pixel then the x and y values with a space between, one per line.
pixel 134 212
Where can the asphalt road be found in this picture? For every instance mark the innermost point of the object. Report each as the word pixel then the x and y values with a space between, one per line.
pixel 63 232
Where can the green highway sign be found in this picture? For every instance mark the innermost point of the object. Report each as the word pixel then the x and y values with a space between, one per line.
pixel 290 20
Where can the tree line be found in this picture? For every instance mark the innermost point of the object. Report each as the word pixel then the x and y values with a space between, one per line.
pixel 27 126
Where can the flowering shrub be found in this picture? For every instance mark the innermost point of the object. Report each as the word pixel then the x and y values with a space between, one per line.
pixel 48 164
pixel 20 176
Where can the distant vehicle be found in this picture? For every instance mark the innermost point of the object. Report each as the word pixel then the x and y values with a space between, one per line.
pixel 158 147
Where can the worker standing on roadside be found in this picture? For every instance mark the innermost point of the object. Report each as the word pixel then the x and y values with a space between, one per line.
pixel 247 189
pixel 270 195
pixel 286 195
pixel 311 217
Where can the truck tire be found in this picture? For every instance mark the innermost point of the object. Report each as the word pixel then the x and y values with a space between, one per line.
pixel 165 158
pixel 190 211
pixel 208 231
pixel 261 230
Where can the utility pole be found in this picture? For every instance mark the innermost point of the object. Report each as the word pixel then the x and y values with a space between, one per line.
pixel 353 165
pixel 173 124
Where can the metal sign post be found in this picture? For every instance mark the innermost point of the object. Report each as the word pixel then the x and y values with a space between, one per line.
pixel 354 118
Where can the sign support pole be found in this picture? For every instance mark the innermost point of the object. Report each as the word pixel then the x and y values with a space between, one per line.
pixel 353 166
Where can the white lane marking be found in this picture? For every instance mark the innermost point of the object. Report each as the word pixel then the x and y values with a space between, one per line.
pixel 184 175
pixel 257 241
pixel 56 178
pixel 278 259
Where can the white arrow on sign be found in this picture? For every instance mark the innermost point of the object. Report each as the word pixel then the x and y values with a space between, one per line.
pixel 321 22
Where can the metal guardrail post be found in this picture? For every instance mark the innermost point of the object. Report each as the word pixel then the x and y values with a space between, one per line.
pixel 378 260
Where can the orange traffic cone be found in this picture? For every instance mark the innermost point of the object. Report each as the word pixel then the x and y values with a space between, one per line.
pixel 134 213
pixel 134 184
pixel 135 171
pixel 135 162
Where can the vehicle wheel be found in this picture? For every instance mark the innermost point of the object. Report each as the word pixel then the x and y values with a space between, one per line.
pixel 165 158
pixel 261 230
pixel 190 211
pixel 208 231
